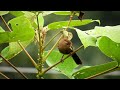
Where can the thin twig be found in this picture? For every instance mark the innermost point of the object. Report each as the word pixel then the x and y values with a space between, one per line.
pixel 33 62
pixel 4 75
pixel 40 52
pixel 5 23
pixel 13 67
pixel 71 16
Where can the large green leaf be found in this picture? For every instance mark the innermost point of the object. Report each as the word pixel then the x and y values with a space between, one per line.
pixel 109 48
pixel 66 12
pixel 1 29
pixel 22 31
pixel 13 49
pixel 113 32
pixel 45 13
pixel 17 13
pixel 95 70
pixel 89 37
pixel 62 13
pixel 87 40
pixel 62 24
pixel 33 19
pixel 65 67
pixel 3 12
pixel 40 19
pixel 31 16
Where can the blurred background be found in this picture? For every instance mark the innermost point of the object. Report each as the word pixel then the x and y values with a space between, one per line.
pixel 90 56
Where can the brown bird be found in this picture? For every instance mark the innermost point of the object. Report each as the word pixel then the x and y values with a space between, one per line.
pixel 65 47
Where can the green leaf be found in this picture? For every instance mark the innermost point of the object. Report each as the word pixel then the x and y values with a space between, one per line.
pixel 3 12
pixel 22 28
pixel 87 40
pixel 92 71
pixel 30 15
pixel 113 32
pixel 109 48
pixel 13 49
pixel 41 20
pixel 89 37
pixel 22 31
pixel 62 24
pixel 66 12
pixel 17 13
pixel 62 13
pixel 33 19
pixel 65 67
pixel 1 29
pixel 45 13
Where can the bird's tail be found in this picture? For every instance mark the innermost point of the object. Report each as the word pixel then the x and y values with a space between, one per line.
pixel 76 58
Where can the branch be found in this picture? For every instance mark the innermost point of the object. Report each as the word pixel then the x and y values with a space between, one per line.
pixel 4 75
pixel 33 62
pixel 5 23
pixel 13 67
pixel 71 16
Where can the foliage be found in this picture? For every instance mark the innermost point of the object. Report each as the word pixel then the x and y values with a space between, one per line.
pixel 28 26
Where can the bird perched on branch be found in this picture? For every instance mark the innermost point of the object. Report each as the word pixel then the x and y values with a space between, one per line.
pixel 65 47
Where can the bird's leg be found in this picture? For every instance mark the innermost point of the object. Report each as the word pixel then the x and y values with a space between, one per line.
pixel 62 58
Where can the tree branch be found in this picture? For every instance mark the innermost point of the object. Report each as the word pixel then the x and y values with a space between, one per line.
pixel 13 67
pixel 4 75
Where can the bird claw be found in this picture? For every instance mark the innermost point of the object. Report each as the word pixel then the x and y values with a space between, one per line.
pixel 62 60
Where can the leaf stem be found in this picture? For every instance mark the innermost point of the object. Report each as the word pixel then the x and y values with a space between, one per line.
pixel 40 49
pixel 4 75
pixel 13 67
pixel 5 23
pixel 71 16
pixel 33 62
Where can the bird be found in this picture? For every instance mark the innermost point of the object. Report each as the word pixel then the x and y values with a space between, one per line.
pixel 65 47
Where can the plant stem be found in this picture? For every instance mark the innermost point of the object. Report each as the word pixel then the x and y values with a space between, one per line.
pixel 62 59
pixel 4 75
pixel 5 23
pixel 71 16
pixel 52 49
pixel 51 40
pixel 19 43
pixel 13 67
pixel 33 62
pixel 40 50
